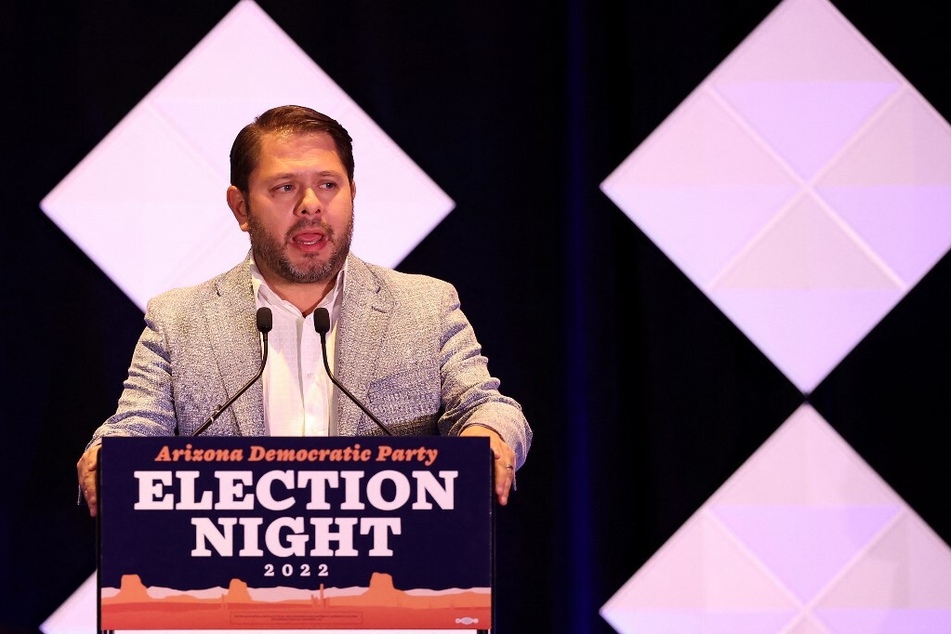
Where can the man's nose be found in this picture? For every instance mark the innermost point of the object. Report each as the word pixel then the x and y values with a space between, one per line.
pixel 309 202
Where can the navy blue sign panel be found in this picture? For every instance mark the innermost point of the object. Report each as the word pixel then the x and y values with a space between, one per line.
pixel 261 522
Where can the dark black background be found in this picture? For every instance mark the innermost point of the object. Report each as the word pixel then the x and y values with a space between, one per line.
pixel 643 396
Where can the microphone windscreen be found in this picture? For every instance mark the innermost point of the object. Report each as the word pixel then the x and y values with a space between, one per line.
pixel 321 321
pixel 264 319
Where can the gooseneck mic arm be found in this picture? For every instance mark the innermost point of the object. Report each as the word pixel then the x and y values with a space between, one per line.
pixel 264 322
pixel 322 326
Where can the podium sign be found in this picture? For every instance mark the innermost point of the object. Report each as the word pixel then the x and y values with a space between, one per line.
pixel 295 533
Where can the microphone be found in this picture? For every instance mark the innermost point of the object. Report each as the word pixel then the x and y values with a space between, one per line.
pixel 264 321
pixel 322 326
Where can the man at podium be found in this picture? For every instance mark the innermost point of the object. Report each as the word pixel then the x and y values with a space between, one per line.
pixel 355 348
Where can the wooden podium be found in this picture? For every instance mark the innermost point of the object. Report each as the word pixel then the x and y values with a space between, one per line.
pixel 275 533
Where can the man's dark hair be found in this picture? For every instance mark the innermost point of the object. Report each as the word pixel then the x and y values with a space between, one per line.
pixel 246 149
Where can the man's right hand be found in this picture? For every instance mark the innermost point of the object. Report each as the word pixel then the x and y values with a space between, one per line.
pixel 86 470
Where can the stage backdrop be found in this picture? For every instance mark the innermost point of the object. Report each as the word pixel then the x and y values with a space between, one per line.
pixel 704 244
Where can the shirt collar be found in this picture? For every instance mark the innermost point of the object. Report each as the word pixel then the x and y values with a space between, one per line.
pixel 265 296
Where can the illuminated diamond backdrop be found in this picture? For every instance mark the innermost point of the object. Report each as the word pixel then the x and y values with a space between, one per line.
pixel 805 187
pixel 161 220
pixel 804 537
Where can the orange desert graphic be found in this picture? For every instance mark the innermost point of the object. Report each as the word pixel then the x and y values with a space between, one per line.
pixel 380 606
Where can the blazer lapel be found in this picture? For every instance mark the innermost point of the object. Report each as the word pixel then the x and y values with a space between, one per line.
pixel 364 320
pixel 236 347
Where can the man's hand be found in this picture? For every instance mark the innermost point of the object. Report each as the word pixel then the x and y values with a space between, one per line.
pixel 86 470
pixel 504 460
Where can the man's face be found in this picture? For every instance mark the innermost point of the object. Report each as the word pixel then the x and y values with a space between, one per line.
pixel 298 210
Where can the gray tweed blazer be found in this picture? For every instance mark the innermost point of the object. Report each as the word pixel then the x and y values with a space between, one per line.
pixel 404 349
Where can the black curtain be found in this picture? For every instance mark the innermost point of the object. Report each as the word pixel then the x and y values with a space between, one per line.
pixel 644 397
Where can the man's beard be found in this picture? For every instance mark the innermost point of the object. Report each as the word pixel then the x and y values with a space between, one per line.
pixel 270 252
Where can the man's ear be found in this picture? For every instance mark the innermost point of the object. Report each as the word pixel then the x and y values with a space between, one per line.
pixel 239 206
pixel 353 190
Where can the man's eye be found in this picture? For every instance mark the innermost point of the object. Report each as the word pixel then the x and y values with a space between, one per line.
pixel 329 185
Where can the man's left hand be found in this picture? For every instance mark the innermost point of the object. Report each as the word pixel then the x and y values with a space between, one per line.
pixel 504 460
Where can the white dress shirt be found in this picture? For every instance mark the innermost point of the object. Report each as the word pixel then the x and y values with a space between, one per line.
pixel 298 394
